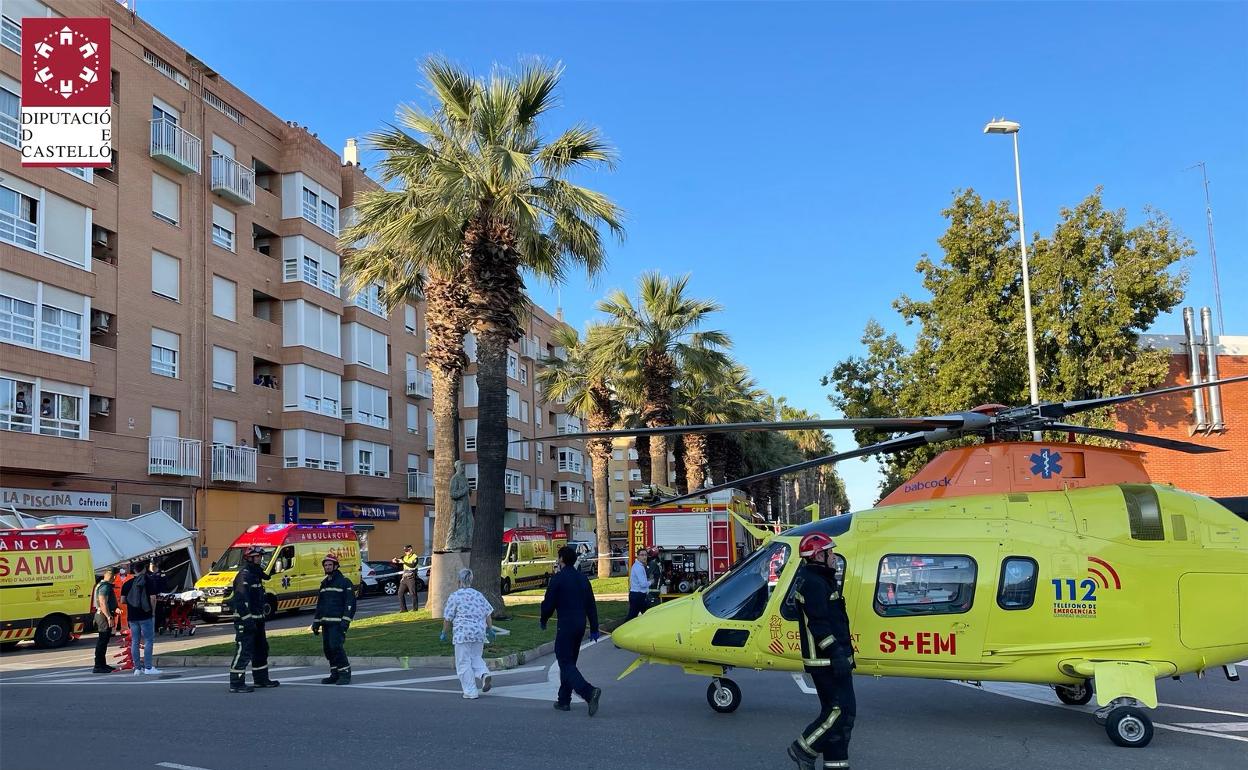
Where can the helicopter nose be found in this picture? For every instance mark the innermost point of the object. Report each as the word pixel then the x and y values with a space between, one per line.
pixel 659 628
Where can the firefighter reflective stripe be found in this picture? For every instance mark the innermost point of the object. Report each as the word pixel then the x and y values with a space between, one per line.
pixel 823 727
pixel 256 668
pixel 238 653
pixel 827 641
pixel 331 620
pixel 836 763
pixel 816 662
pixel 331 588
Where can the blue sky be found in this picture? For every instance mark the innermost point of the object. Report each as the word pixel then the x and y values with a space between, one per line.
pixel 795 157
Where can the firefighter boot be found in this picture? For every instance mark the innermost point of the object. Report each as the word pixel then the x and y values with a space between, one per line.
pixel 344 677
pixel 238 683
pixel 798 754
pixel 262 679
pixel 332 678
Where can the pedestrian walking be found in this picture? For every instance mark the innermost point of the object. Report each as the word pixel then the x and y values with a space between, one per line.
pixel 638 585
pixel 137 594
pixel 107 615
pixel 827 655
pixel 335 607
pixel 410 561
pixel 469 616
pixel 570 596
pixel 654 570
pixel 251 645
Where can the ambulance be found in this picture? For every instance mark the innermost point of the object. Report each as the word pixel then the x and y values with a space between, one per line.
pixel 698 539
pixel 529 555
pixel 46 580
pixel 291 562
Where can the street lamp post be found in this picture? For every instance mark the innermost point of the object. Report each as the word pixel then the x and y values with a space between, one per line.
pixel 1010 127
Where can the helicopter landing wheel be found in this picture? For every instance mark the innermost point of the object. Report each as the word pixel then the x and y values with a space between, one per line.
pixel 1074 694
pixel 1130 727
pixel 724 695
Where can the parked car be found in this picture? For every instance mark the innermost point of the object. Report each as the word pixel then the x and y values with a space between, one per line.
pixel 380 577
pixel 586 557
pixel 422 573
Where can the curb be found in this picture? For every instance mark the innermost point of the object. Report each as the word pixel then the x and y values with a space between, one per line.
pixel 428 661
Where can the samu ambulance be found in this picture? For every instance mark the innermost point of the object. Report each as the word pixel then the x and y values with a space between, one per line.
pixel 45 584
pixel 291 562
pixel 529 557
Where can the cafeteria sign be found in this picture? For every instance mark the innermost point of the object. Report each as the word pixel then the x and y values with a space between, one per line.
pixel 373 512
pixel 55 500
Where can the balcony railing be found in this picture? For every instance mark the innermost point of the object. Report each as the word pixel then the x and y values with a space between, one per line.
pixel 571 464
pixel 174 456
pixel 528 348
pixel 18 231
pixel 419 383
pixel 10 130
pixel 420 484
pixel 542 501
pixel 233 180
pixel 234 463
pixel 176 148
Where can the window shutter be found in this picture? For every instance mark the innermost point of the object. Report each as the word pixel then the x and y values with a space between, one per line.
pixel 166 275
pixel 222 147
pixel 68 238
pixel 224 364
pixel 166 198
pixel 409 318
pixel 165 339
pixel 165 422
pixel 19 287
pixel 224 298
pixel 224 431
pixel 222 217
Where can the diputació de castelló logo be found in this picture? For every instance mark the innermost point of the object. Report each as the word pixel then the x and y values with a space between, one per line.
pixel 66 93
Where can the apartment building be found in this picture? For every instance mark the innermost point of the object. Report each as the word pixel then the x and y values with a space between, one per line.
pixel 174 333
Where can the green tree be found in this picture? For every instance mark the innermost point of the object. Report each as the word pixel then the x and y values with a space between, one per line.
pixel 1096 285
pixel 481 195
pixel 654 340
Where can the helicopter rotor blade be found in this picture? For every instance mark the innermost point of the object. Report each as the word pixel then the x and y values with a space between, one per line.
pixel 1065 408
pixel 898 444
pixel 886 424
pixel 1136 438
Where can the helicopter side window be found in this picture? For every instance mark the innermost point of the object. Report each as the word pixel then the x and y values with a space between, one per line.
pixel 788 608
pixel 916 584
pixel 742 594
pixel 1017 589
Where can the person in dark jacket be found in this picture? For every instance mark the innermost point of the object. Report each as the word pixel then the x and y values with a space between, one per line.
pixel 250 643
pixel 827 655
pixel 571 597
pixel 107 615
pixel 335 607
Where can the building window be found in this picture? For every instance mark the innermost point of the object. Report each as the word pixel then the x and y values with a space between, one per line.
pixel 619 497
pixel 304 323
pixel 409 319
pixel 513 404
pixel 329 217
pixel 166 276
pixel 224 224
pixel 60 414
pixel 11 34
pixel 166 199
pixel 368 459
pixel 369 298
pixel 367 347
pixel 309 449
pixel 513 365
pixel 16 397
pixel 19 219
pixel 311 389
pixel 524 376
pixel 413 419
pixel 512 482
pixel 224 298
pixel 367 404
pixel 165 348
pixel 10 117
pixel 173 507
pixel 924 585
pixel 224 369
pixel 17 321
pixel 311 204
pixel 469 386
pixel 634 474
pixel 619 475
pixel 61 331
pixel 470 435
pixel 540 453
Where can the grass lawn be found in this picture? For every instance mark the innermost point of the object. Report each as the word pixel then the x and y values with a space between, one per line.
pixel 416 634
pixel 615 585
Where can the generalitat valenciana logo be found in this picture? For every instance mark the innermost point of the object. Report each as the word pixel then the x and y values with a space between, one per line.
pixel 67 111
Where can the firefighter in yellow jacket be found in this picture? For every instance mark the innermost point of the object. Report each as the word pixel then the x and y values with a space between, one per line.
pixel 335 607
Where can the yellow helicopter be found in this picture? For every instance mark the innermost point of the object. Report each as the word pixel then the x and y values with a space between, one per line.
pixel 1048 563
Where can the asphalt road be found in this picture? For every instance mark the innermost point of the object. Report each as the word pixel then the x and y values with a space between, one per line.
pixel 658 717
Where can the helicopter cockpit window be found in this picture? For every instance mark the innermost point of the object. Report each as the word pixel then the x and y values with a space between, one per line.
pixel 788 608
pixel 1017 589
pixel 742 594
pixel 915 584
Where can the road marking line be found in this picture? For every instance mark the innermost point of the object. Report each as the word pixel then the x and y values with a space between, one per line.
pixel 323 674
pixel 1177 729
pixel 1219 727
pixel 450 677
pixel 1206 711
pixel 176 766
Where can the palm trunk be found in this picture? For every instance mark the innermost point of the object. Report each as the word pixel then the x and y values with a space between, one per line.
pixel 717 457
pixel 487 536
pixel 695 459
pixel 599 457
pixel 446 321
pixel 658 461
pixel 643 459
pixel 657 409
pixel 677 467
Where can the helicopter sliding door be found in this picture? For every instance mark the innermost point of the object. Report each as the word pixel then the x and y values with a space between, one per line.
pixel 919 609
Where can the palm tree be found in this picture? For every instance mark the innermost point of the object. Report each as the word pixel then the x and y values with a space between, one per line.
pixel 711 397
pixel 656 339
pixel 481 196
pixel 583 383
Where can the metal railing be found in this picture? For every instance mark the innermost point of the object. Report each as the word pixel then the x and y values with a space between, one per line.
pixel 18 231
pixel 175 146
pixel 174 456
pixel 234 463
pixel 419 383
pixel 571 464
pixel 420 484
pixel 10 130
pixel 233 180
pixel 541 500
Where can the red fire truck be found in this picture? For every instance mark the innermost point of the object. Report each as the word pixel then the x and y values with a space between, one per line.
pixel 698 539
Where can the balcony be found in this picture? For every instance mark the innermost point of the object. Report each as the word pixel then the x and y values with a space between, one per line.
pixel 175 456
pixel 571 463
pixel 233 181
pixel 541 501
pixel 560 353
pixel 233 463
pixel 176 148
pixel 529 349
pixel 10 130
pixel 419 383
pixel 566 423
pixel 18 231
pixel 420 485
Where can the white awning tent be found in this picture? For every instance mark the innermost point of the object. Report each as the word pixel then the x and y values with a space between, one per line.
pixel 117 542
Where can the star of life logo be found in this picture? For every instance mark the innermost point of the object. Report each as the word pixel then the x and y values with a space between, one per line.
pixel 1046 463
pixel 66 94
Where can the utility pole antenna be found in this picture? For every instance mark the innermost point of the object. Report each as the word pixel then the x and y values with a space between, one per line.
pixel 1213 249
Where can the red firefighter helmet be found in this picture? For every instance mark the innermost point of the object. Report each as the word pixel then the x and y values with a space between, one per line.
pixel 329 557
pixel 814 543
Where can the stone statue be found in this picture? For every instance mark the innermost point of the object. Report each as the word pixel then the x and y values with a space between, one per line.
pixel 460 537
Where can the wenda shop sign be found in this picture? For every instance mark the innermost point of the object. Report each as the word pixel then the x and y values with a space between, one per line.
pixel 67 113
